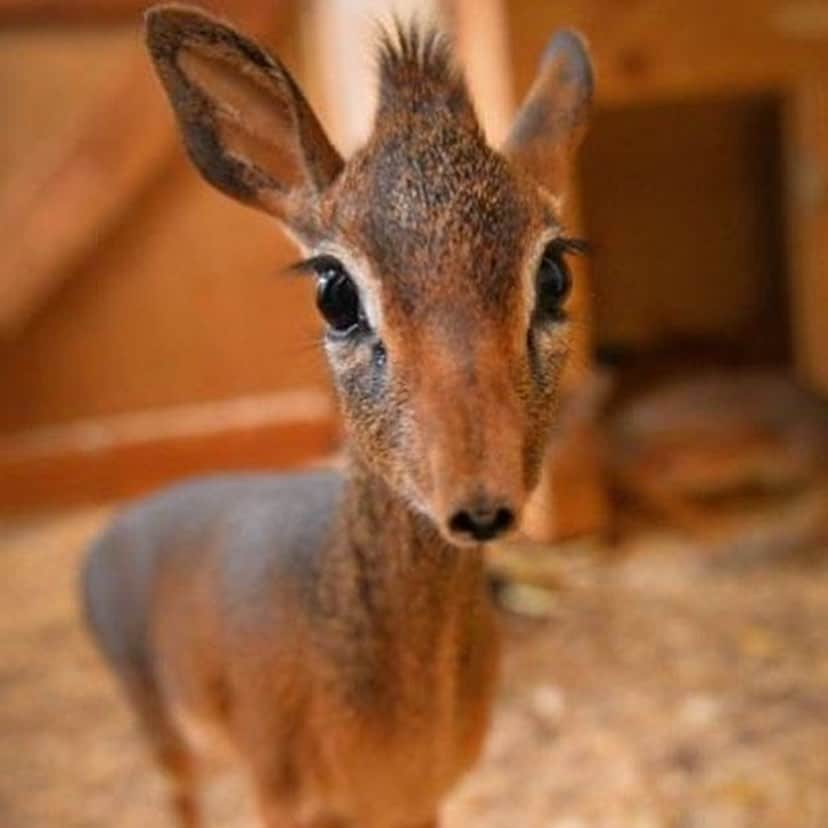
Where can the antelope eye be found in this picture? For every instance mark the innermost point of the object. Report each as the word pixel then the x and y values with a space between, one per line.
pixel 553 283
pixel 336 296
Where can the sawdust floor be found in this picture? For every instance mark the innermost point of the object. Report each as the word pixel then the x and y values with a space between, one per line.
pixel 658 691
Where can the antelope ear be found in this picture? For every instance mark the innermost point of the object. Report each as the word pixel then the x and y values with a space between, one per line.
pixel 244 120
pixel 552 120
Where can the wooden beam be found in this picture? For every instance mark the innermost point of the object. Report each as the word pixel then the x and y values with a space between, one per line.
pixel 75 188
pixel 93 12
pixel 480 30
pixel 73 191
pixel 39 12
pixel 111 458
pixel 342 79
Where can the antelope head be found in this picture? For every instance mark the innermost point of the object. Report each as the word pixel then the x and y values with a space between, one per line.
pixel 440 262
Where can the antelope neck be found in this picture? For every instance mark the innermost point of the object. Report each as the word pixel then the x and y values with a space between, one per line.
pixel 397 554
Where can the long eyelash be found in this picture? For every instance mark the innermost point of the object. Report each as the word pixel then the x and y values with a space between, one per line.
pixel 314 265
pixel 573 246
pixel 311 341
pixel 302 268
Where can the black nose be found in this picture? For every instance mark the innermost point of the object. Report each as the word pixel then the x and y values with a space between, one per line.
pixel 482 523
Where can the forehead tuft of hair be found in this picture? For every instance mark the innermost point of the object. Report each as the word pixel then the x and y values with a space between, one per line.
pixel 418 74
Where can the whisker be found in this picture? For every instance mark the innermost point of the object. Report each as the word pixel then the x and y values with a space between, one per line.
pixel 303 267
pixel 314 342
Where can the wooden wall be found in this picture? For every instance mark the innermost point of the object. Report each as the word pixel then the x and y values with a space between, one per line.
pixel 185 301
pixel 180 312
pixel 179 302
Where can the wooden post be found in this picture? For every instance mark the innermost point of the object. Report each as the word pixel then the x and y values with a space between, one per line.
pixel 807 132
pixel 479 27
pixel 340 36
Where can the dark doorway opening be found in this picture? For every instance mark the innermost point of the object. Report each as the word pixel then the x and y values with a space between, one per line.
pixel 683 202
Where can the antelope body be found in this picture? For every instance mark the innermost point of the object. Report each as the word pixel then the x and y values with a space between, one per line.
pixel 334 631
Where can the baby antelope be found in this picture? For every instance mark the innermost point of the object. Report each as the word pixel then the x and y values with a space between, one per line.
pixel 333 632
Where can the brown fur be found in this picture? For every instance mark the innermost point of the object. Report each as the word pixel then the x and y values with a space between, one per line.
pixel 335 633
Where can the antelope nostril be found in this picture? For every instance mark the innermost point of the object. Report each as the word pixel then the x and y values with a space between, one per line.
pixel 482 524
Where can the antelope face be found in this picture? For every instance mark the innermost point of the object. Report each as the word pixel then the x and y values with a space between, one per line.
pixel 443 285
pixel 440 263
